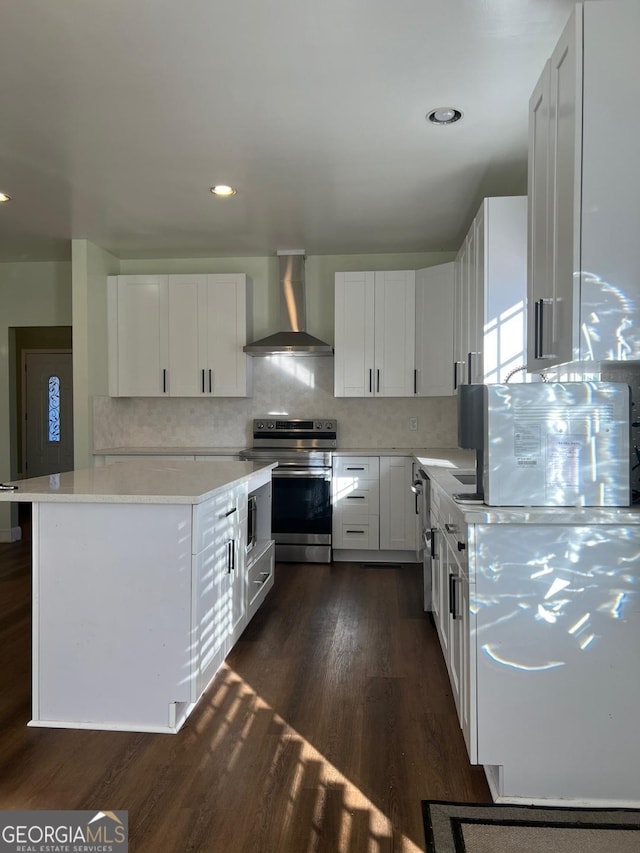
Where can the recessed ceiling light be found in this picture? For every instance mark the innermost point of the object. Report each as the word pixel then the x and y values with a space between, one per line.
pixel 4 197
pixel 223 190
pixel 444 115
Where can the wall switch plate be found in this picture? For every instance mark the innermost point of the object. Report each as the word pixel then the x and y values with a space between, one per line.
pixel 413 423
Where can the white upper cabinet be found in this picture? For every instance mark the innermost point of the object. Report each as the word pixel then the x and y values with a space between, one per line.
pixel 185 370
pixel 584 185
pixel 178 335
pixel 138 321
pixel 222 333
pixel 435 290
pixel 491 291
pixel 375 334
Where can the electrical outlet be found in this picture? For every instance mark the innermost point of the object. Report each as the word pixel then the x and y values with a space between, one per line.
pixel 413 423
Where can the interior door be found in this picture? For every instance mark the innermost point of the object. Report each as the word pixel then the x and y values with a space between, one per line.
pixel 47 412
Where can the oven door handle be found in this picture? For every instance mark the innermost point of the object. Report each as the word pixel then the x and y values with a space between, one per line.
pixel 316 473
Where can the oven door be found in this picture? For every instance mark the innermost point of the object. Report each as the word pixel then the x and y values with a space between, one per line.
pixel 301 514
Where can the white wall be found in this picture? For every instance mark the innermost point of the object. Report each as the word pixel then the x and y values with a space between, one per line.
pixel 31 294
pixel 91 266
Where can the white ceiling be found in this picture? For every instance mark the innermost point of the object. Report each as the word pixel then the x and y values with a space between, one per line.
pixel 116 116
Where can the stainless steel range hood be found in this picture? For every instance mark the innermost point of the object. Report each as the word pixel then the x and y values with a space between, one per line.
pixel 292 339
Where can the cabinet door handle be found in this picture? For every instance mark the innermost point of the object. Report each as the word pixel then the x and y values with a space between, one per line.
pixel 233 555
pixel 203 380
pixel 231 511
pixel 539 329
pixel 452 594
pixel 455 375
pixel 461 546
pixel 210 386
pixel 415 380
pixel 434 556
pixel 370 381
pixel 355 468
pixel 355 497
pixel 469 373
pixel 537 334
pixel 229 547
pixel 164 381
pixel 355 531
pixel 377 380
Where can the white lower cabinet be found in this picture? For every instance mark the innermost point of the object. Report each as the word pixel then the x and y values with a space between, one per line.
pixel 373 507
pixel 356 502
pixel 397 504
pixel 450 593
pixel 539 626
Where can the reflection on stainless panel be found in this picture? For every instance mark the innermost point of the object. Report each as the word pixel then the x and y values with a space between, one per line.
pixel 546 593
pixel 557 444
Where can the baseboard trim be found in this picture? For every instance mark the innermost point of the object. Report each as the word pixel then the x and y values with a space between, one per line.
pixel 351 555
pixel 13 534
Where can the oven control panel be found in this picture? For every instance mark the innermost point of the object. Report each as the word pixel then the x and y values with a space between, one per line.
pixel 294 427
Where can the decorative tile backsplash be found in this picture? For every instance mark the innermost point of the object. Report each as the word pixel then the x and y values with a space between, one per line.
pixel 290 387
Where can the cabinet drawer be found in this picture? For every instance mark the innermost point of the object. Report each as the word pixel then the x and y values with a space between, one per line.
pixel 260 578
pixel 355 499
pixel 357 535
pixel 456 533
pixel 361 467
pixel 209 517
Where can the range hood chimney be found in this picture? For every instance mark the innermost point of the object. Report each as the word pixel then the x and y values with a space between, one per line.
pixel 292 339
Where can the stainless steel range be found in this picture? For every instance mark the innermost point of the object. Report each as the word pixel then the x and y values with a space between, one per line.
pixel 301 507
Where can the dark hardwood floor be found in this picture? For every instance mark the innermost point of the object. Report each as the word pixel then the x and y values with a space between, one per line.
pixel 330 721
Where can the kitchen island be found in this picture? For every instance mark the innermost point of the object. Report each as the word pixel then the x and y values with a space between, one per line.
pixel 538 614
pixel 142 583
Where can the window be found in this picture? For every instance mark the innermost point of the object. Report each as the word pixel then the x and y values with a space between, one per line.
pixel 54 408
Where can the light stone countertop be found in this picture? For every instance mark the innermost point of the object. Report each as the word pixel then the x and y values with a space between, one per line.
pixel 446 456
pixel 147 481
pixel 169 451
pixel 475 513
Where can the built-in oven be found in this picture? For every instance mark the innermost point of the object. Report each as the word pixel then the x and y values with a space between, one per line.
pixel 301 514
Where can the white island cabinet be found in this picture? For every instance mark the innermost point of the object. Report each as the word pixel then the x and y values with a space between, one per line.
pixel 142 583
